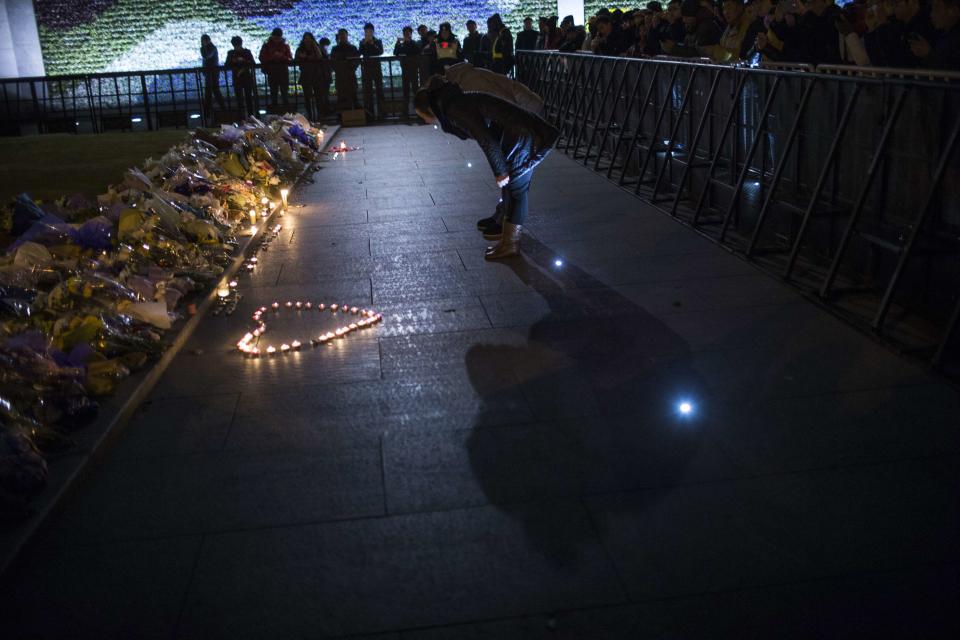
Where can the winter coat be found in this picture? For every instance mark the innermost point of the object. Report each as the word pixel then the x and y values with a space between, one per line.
pixel 471 47
pixel 470 78
pixel 372 48
pixel 241 64
pixel 513 139
pixel 311 63
pixel 444 53
pixel 275 55
pixel 527 39
pixel 210 56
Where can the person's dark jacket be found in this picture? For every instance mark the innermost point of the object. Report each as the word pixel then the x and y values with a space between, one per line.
pixel 344 51
pixel 945 50
pixel 497 51
pixel 403 48
pixel 521 141
pixel 889 44
pixel 444 52
pixel 210 56
pixel 527 40
pixel 615 43
pixel 310 59
pixel 240 63
pixel 275 56
pixel 706 33
pixel 471 47
pixel 814 39
pixel 372 48
pixel 574 43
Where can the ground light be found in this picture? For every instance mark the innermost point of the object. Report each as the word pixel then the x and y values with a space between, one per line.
pixel 558 262
pixel 686 409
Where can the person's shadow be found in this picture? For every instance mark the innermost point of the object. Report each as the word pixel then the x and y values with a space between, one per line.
pixel 606 382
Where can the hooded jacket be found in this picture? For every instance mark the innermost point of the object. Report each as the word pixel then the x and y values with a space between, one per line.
pixel 470 78
pixel 513 139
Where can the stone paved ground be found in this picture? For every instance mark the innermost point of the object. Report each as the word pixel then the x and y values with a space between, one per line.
pixel 503 458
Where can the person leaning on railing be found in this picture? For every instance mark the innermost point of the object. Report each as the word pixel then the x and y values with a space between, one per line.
pixel 445 51
pixel 890 28
pixel 345 58
pixel 240 63
pixel 311 60
pixel 275 57
pixel 944 51
pixel 702 32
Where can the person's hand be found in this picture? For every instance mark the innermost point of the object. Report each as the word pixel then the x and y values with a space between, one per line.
pixel 503 181
pixel 919 46
pixel 667 45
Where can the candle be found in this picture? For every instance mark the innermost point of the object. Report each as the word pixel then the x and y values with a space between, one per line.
pixel 284 347
pixel 295 345
pixel 223 291
pixel 253 218
pixel 275 306
pixel 264 200
pixel 283 196
pixel 271 350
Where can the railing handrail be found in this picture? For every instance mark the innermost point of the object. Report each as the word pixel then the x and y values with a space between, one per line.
pixel 149 72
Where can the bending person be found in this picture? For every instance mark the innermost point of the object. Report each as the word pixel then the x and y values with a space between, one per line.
pixel 514 141
pixel 471 78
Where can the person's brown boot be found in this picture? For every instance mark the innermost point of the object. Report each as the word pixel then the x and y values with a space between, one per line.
pixel 509 244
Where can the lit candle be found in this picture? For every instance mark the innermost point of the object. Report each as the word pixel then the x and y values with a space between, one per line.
pixel 308 305
pixel 264 200
pixel 299 305
pixel 271 350
pixel 275 306
pixel 295 345
pixel 284 347
pixel 223 291
pixel 283 196
pixel 233 284
pixel 353 310
pixel 321 307
pixel 288 304
pixel 253 218
pixel 334 307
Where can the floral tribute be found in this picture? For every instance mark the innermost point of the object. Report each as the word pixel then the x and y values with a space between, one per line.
pixel 89 289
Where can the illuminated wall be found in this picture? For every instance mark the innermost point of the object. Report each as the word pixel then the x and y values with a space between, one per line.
pixel 79 36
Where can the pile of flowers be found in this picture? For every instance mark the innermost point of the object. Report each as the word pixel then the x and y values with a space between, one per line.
pixel 88 289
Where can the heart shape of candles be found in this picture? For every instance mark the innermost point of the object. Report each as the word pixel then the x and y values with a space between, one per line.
pixel 248 343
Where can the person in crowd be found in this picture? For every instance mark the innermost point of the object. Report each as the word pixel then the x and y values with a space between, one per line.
pixel 310 59
pixel 427 57
pixel 326 78
pixel 733 44
pixel 240 62
pixel 371 48
pixel 573 40
pixel 556 36
pixel 445 50
pixel 498 45
pixel 527 39
pixel 611 40
pixel 890 27
pixel 275 56
pixel 211 74
pixel 422 31
pixel 471 43
pixel 944 51
pixel 409 53
pixel 345 57
pixel 589 41
pixel 514 141
pixel 702 32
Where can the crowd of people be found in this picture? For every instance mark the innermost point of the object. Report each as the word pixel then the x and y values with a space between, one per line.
pixel 888 33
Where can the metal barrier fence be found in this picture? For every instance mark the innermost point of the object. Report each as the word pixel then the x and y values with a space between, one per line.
pixel 843 181
pixel 146 100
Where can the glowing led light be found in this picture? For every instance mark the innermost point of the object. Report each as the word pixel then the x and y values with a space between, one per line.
pixel 469 164
pixel 283 196
pixel 558 262
pixel 685 408
pixel 194 116
pixel 136 119
pixel 262 112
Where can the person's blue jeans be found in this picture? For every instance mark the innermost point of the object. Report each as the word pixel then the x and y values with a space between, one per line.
pixel 515 198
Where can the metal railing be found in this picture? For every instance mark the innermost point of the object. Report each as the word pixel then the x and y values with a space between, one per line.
pixel 146 100
pixel 844 181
